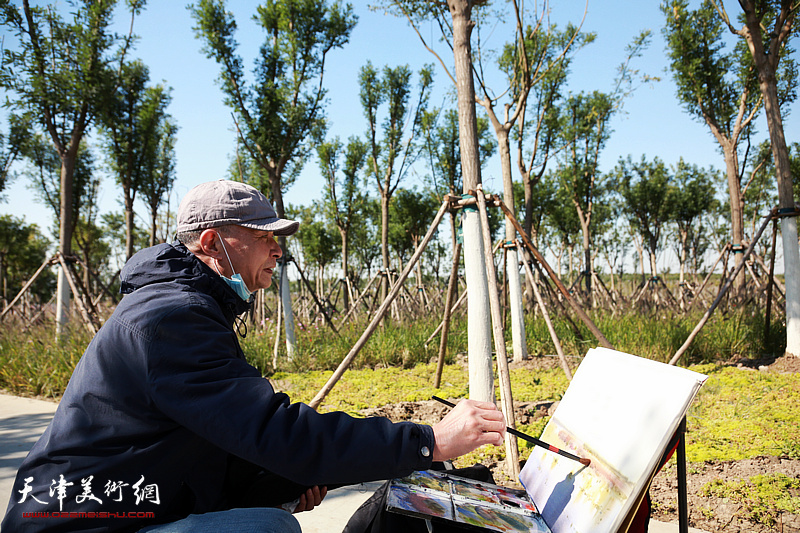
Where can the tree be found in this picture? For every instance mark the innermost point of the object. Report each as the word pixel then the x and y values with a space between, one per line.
pixel 344 200
pixel 690 202
pixel 645 188
pixel 366 237
pixel 281 114
pixel 12 145
pixel 454 17
pixel 412 214
pixel 551 49
pixel 159 172
pixel 584 130
pixel 718 88
pixel 524 62
pixel 391 154
pixel 768 27
pixel 22 250
pixel 319 241
pixel 59 76
pixel 277 116
pixel 130 120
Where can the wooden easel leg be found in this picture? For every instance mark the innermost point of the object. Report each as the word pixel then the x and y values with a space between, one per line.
pixel 683 501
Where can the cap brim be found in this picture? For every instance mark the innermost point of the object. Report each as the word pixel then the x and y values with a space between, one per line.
pixel 279 226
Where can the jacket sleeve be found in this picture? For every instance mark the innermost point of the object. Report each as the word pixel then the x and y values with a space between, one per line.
pixel 198 377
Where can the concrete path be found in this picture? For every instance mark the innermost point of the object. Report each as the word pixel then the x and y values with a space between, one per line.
pixel 22 420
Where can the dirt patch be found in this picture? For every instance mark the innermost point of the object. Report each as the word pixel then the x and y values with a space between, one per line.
pixel 709 513
pixel 712 513
pixel 786 364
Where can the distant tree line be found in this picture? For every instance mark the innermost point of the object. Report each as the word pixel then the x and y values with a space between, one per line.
pixel 369 217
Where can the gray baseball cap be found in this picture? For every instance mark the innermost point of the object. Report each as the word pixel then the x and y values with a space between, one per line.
pixel 220 203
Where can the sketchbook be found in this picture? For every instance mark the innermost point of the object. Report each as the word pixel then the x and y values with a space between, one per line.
pixel 620 411
pixel 435 495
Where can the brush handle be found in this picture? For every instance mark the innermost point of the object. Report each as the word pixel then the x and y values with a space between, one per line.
pixel 532 440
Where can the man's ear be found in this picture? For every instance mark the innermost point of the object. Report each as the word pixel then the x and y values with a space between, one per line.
pixel 209 243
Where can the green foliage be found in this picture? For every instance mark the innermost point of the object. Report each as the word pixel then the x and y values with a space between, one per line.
pixel 282 112
pixel 645 188
pixel 134 121
pixel 763 497
pixel 411 215
pixel 22 250
pixel 658 337
pixel 740 414
pixel 35 363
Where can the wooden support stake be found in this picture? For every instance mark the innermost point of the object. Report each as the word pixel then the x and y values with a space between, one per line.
pixel 87 318
pixel 506 397
pixel 451 290
pixel 563 290
pixel 314 296
pixel 767 314
pixel 725 287
pixel 461 298
pixel 358 300
pixel 26 286
pixel 339 372
pixel 546 315
pixel 708 276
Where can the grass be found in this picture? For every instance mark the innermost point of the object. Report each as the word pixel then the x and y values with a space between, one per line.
pixel 762 498
pixel 738 414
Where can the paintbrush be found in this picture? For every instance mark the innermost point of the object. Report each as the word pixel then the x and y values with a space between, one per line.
pixel 533 440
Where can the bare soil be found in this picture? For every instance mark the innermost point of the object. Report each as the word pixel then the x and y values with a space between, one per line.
pixel 707 513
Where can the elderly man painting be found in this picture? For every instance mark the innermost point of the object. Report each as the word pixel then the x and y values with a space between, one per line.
pixel 165 427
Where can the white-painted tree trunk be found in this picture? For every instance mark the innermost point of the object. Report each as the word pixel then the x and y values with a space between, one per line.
pixel 63 296
pixel 288 314
pixel 479 319
pixel 791 266
pixel 518 342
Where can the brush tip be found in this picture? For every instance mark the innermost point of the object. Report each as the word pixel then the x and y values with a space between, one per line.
pixel 586 461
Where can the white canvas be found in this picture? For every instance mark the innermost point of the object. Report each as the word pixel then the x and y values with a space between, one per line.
pixel 620 411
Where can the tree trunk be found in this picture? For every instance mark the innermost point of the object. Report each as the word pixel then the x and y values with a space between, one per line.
pixel 345 266
pixel 286 297
pixel 737 219
pixel 128 200
pixel 766 65
pixel 385 199
pixel 519 346
pixel 153 223
pixel 66 226
pixel 481 375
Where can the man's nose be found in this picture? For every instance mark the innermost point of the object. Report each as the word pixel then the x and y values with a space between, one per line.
pixel 276 249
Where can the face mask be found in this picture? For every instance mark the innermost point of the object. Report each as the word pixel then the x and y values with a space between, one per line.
pixel 235 282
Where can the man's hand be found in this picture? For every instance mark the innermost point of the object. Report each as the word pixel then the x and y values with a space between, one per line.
pixel 311 499
pixel 470 424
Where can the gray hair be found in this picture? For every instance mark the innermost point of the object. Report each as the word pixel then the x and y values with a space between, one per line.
pixel 192 237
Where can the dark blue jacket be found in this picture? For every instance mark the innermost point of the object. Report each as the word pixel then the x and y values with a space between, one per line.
pixel 161 402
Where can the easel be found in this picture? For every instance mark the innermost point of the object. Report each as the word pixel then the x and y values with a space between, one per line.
pixel 678 444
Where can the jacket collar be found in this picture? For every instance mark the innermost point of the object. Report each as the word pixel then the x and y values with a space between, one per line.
pixel 174 262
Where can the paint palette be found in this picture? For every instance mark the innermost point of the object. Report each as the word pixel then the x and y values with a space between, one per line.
pixel 438 496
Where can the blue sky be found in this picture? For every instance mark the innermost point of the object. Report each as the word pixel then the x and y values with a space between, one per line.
pixel 653 124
